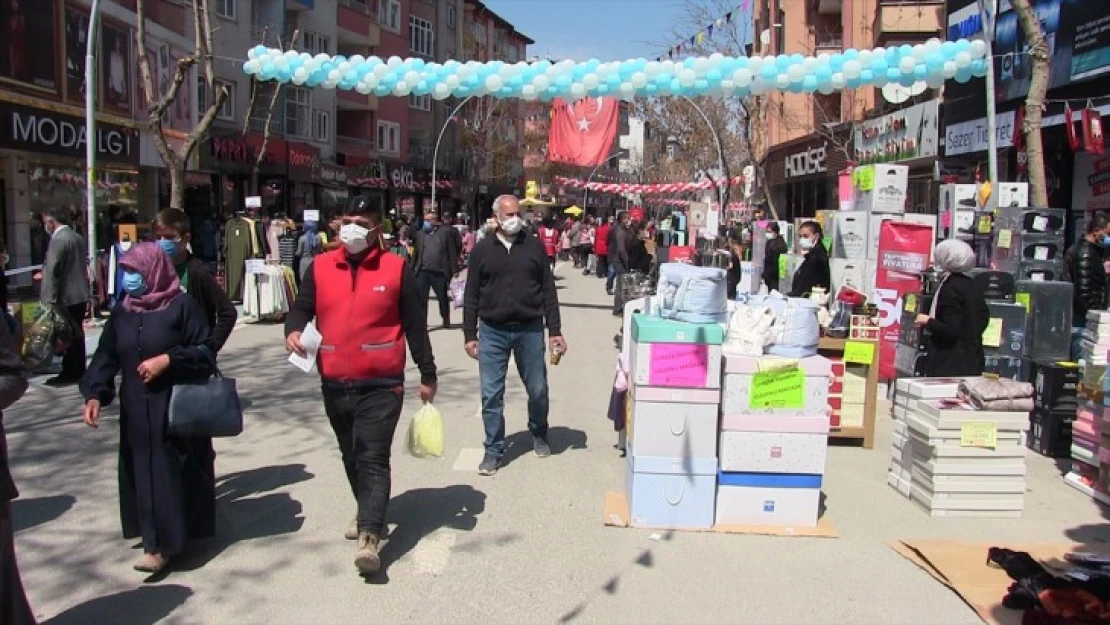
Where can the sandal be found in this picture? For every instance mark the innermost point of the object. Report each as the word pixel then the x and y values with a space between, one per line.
pixel 151 563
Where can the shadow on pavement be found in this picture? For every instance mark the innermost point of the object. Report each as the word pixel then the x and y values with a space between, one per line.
pixel 420 512
pixel 34 511
pixel 141 606
pixel 560 438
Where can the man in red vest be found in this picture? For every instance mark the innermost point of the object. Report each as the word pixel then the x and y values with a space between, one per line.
pixel 367 306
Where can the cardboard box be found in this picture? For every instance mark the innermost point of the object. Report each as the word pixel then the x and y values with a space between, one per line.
pixel 850 236
pixel 1013 194
pixel 889 192
pixel 762 499
pixel 740 375
pixel 670 492
pixel 773 452
pixel 676 365
pixel 673 430
pixel 957 208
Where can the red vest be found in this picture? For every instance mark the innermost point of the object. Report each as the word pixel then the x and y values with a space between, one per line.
pixel 359 317
pixel 550 238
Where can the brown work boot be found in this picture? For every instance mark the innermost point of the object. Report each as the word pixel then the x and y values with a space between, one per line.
pixel 351 533
pixel 367 560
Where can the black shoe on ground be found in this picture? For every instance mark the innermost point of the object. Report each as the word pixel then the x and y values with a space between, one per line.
pixel 62 380
pixel 490 465
pixel 540 444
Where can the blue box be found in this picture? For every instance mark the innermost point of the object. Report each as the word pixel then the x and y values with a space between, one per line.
pixel 671 492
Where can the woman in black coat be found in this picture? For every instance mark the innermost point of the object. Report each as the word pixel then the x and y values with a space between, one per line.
pixel 155 337
pixel 814 271
pixel 957 318
pixel 14 609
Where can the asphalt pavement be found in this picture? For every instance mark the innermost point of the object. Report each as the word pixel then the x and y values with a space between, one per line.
pixel 525 546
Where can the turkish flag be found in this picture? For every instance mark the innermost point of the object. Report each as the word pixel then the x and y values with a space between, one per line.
pixel 582 133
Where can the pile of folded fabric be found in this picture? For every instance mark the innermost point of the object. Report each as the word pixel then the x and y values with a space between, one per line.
pixel 994 393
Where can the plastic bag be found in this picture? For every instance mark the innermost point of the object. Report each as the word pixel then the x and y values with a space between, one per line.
pixel 457 288
pixel 48 335
pixel 426 432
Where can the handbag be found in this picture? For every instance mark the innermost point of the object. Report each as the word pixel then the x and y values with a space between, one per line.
pixel 208 408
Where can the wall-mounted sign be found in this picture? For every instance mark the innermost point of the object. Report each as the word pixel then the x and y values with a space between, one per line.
pixel 806 162
pixel 972 136
pixel 48 132
pixel 904 135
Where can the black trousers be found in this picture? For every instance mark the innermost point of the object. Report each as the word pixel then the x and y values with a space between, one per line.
pixel 602 265
pixel 364 421
pixel 14 609
pixel 73 361
pixel 435 281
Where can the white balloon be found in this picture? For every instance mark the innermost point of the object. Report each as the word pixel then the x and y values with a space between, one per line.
pixel 809 64
pixel 963 59
pixel 412 77
pixel 755 64
pixel 394 62
pixel 322 58
pixel 687 78
pixel 541 82
pixel 506 71
pixel 758 87
pixel 852 69
pixel 590 81
pixel 251 54
pixel 934 81
pixel 823 58
pixel 932 45
pixel 254 65
pixel 919 53
pixel 380 70
pixel 441 92
pixel 452 81
pixel 357 59
pixel 627 90
pixel 300 73
pixel 864 57
pixel 577 91
pixel 639 79
pixel 727 86
pixel 363 88
pixel 334 76
pixel 716 57
pixel 493 83
pixel 401 88
pixel 742 77
pixel 344 67
pixel 949 70
pixel 701 64
pixel 651 69
pixel 978 48
pixel 838 81
pixel 878 53
pixel 667 66
pixel 880 80
pixel 906 65
pixel 795 73
pixel 825 88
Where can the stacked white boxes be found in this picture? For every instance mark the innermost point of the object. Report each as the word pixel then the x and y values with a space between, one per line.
pixel 909 393
pixel 773 441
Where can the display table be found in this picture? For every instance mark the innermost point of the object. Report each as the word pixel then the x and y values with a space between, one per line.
pixel 830 347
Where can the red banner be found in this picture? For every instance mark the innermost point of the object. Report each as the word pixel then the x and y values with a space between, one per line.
pixel 904 250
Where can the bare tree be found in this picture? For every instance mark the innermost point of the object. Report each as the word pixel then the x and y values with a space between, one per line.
pixel 1034 101
pixel 158 103
pixel 264 95
pixel 489 137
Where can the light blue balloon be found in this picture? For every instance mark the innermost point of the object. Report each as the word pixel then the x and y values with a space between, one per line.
pixel 893 75
pixel 796 59
pixel 934 62
pixel 713 76
pixel 850 54
pixel 351 77
pixel 809 83
pixel 907 80
pixel 920 73
pixel 836 62
pixel 879 66
pixel 962 45
pixel 892 55
pixel 854 83
pixel 768 73
pixel 979 67
pixel 382 90
pixel 260 51
pixel 794 87
pixel 866 76
pixel 663 80
pixel 602 89
pixel 516 82
pixel 613 81
pixel 313 80
pixel 650 89
pixel 740 63
pixel 948 49
pixel 823 74
pixel 563 83
pixel 781 63
pixel 676 87
pixel 246 67
pixel 963 74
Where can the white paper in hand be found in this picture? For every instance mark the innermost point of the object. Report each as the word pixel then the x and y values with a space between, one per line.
pixel 310 340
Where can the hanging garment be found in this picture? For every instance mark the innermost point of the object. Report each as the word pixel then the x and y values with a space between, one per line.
pixel 287 248
pixel 268 295
pixel 274 232
pixel 238 247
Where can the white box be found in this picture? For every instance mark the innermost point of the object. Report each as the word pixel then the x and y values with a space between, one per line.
pixel 756 499
pixel 773 452
pixel 670 492
pixel 890 190
pixel 874 229
pixel 673 430
pixel 641 365
pixel 850 236
pixel 960 200
pixel 858 274
pixel 1013 194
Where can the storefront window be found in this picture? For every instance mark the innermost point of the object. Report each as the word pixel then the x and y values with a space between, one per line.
pixel 52 187
pixel 331 201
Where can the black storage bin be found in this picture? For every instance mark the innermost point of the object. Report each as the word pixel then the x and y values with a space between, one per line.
pixel 1055 386
pixel 1050 433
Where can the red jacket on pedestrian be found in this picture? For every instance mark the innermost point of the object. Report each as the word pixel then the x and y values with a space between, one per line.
pixel 550 238
pixel 601 241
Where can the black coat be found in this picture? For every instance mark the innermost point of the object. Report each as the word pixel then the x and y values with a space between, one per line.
pixel 954 338
pixel 217 306
pixel 1083 264
pixel 776 247
pixel 162 482
pixel 814 272
pixel 13 383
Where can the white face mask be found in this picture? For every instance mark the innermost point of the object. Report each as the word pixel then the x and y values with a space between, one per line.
pixel 806 244
pixel 512 225
pixel 354 238
pixel 771 236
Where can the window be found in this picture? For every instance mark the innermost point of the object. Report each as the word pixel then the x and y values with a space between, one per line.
pixel 512 53
pixel 227 111
pixel 421 36
pixel 450 16
pixel 224 8
pixel 321 125
pixel 315 43
pixel 298 112
pixel 422 102
pixel 389 138
pixel 389 14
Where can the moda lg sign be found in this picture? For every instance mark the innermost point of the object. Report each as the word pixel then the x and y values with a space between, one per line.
pixel 36 130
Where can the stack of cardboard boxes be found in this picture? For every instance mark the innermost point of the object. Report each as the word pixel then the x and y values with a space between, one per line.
pixel 1054 409
pixel 909 393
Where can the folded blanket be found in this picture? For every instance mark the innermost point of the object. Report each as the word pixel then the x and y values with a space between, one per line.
pixel 997 394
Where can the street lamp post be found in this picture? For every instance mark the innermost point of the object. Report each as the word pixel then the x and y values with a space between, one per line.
pixel 439 139
pixel 586 191
pixel 91 143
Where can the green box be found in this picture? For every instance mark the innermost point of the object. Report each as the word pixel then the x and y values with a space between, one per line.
pixel 652 329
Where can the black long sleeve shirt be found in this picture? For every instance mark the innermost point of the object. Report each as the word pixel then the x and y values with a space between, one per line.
pixel 510 284
pixel 218 309
pixel 414 319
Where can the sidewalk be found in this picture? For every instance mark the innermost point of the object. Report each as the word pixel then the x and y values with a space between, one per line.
pixel 525 546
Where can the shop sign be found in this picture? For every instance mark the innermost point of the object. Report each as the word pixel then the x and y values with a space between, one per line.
pixel 48 132
pixel 331 174
pixel 972 136
pixel 966 23
pixel 304 162
pixel 806 162
pixel 401 177
pixel 904 135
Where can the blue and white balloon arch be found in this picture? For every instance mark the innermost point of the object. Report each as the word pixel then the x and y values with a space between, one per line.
pixel 932 62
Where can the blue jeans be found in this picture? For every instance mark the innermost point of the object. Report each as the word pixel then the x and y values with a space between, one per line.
pixel 525 341
pixel 1077 339
pixel 614 268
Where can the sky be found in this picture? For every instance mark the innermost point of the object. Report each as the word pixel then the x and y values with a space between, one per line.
pixel 608 30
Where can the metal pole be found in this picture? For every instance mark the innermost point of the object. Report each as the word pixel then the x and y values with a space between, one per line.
pixel 586 189
pixel 91 142
pixel 988 9
pixel 435 153
pixel 720 152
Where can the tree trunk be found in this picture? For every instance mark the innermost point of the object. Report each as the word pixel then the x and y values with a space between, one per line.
pixel 1034 102
pixel 177 187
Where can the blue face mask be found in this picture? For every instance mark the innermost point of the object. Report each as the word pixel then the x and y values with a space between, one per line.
pixel 169 247
pixel 134 283
pixel 1105 241
pixel 429 225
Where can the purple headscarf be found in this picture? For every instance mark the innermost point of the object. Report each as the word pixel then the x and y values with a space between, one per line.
pixel 154 265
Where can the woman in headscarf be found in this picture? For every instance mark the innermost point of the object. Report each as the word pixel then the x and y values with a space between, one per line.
pixel 957 317
pixel 308 246
pixel 155 337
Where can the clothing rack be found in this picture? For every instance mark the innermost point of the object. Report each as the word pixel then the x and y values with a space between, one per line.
pixel 274 288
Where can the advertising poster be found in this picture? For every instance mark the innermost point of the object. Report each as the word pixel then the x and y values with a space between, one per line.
pixel 116 67
pixel 1078 38
pixel 77 38
pixel 904 250
pixel 903 136
pixel 27 40
pixel 1091 183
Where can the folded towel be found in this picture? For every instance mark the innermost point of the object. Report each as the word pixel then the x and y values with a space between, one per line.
pixel 997 394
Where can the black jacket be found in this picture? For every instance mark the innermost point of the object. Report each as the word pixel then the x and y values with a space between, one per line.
pixel 1083 264
pixel 504 286
pixel 218 309
pixel 814 272
pixel 776 247
pixel 13 383
pixel 446 238
pixel 618 245
pixel 954 338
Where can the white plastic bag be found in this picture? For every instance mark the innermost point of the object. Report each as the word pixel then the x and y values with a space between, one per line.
pixel 425 437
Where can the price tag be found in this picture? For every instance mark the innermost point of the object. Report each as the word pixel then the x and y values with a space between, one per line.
pixel 1040 253
pixel 979 434
pixel 984 224
pixel 859 352
pixel 312 215
pixel 992 336
pixel 1025 300
pixel 778 389
pixel 1040 224
pixel 867 178
pixel 256 265
pixel 254 201
pixel 1005 238
pixel 911 303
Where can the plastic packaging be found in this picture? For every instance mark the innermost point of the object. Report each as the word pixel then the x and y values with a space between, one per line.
pixel 425 436
pixel 49 334
pixel 457 288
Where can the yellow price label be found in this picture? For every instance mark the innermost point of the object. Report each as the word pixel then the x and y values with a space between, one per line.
pixel 1025 300
pixel 992 336
pixel 979 434
pixel 911 303
pixel 984 224
pixel 859 352
pixel 1005 239
pixel 867 178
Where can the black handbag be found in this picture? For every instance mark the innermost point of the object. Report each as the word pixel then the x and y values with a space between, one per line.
pixel 206 409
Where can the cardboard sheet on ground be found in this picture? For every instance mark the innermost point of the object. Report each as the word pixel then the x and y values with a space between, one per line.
pixel 616 514
pixel 963 568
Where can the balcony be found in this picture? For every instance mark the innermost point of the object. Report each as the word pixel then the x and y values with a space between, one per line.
pixel 829 42
pixel 358 28
pixel 830 7
pixel 348 100
pixel 354 146
pixel 901 17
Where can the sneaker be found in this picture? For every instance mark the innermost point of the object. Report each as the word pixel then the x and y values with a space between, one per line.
pixel 540 444
pixel 490 465
pixel 367 559
pixel 351 533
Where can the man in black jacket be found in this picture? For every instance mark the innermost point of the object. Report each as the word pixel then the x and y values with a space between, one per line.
pixel 510 292
pixel 435 259
pixel 776 247
pixel 1083 268
pixel 618 252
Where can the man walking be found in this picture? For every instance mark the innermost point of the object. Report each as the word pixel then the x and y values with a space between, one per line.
pixel 618 252
pixel 510 292
pixel 65 283
pixel 435 259
pixel 366 307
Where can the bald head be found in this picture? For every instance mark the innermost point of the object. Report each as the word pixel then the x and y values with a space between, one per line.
pixel 506 206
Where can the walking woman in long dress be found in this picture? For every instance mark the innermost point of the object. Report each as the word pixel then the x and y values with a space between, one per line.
pixel 14 609
pixel 155 337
